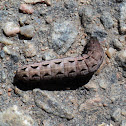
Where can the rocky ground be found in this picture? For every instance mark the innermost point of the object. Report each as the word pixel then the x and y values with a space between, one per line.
pixel 36 30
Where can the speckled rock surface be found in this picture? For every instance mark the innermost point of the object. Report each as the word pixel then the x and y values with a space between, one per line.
pixel 56 29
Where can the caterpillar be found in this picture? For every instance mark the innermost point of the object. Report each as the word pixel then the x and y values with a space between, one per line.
pixel 82 65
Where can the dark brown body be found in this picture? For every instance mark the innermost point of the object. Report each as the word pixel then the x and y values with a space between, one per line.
pixel 83 65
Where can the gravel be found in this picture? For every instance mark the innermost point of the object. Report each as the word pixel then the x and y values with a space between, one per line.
pixel 36 30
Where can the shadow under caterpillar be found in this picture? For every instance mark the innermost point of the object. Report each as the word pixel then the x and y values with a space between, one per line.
pixel 69 67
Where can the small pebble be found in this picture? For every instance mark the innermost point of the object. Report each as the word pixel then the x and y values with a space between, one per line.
pixel 18 91
pixel 1 93
pixel 117 44
pixel 82 1
pixel 122 19
pixel 3 76
pixel 49 19
pixel 14 58
pixel 22 20
pixel 122 39
pixel 25 8
pixel 11 29
pixel 32 1
pixel 9 89
pixel 107 20
pixel 47 2
pixel 123 112
pixel 83 42
pixel 49 55
pixel 5 41
pixel 28 31
pixel 29 50
pixel 103 84
pixel 91 85
pixel 121 58
pixel 110 52
pixel 104 124
pixel 6 50
pixel 2 54
pixel 9 94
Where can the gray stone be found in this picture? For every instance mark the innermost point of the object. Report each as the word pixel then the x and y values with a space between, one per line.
pixel 117 44
pixel 15 117
pixel 90 26
pixel 28 31
pixel 87 19
pixel 121 58
pixel 64 34
pixel 122 39
pixel 107 20
pixel 15 58
pixel 70 4
pixel 87 16
pixel 47 101
pixel 24 20
pixel 99 32
pixel 122 18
